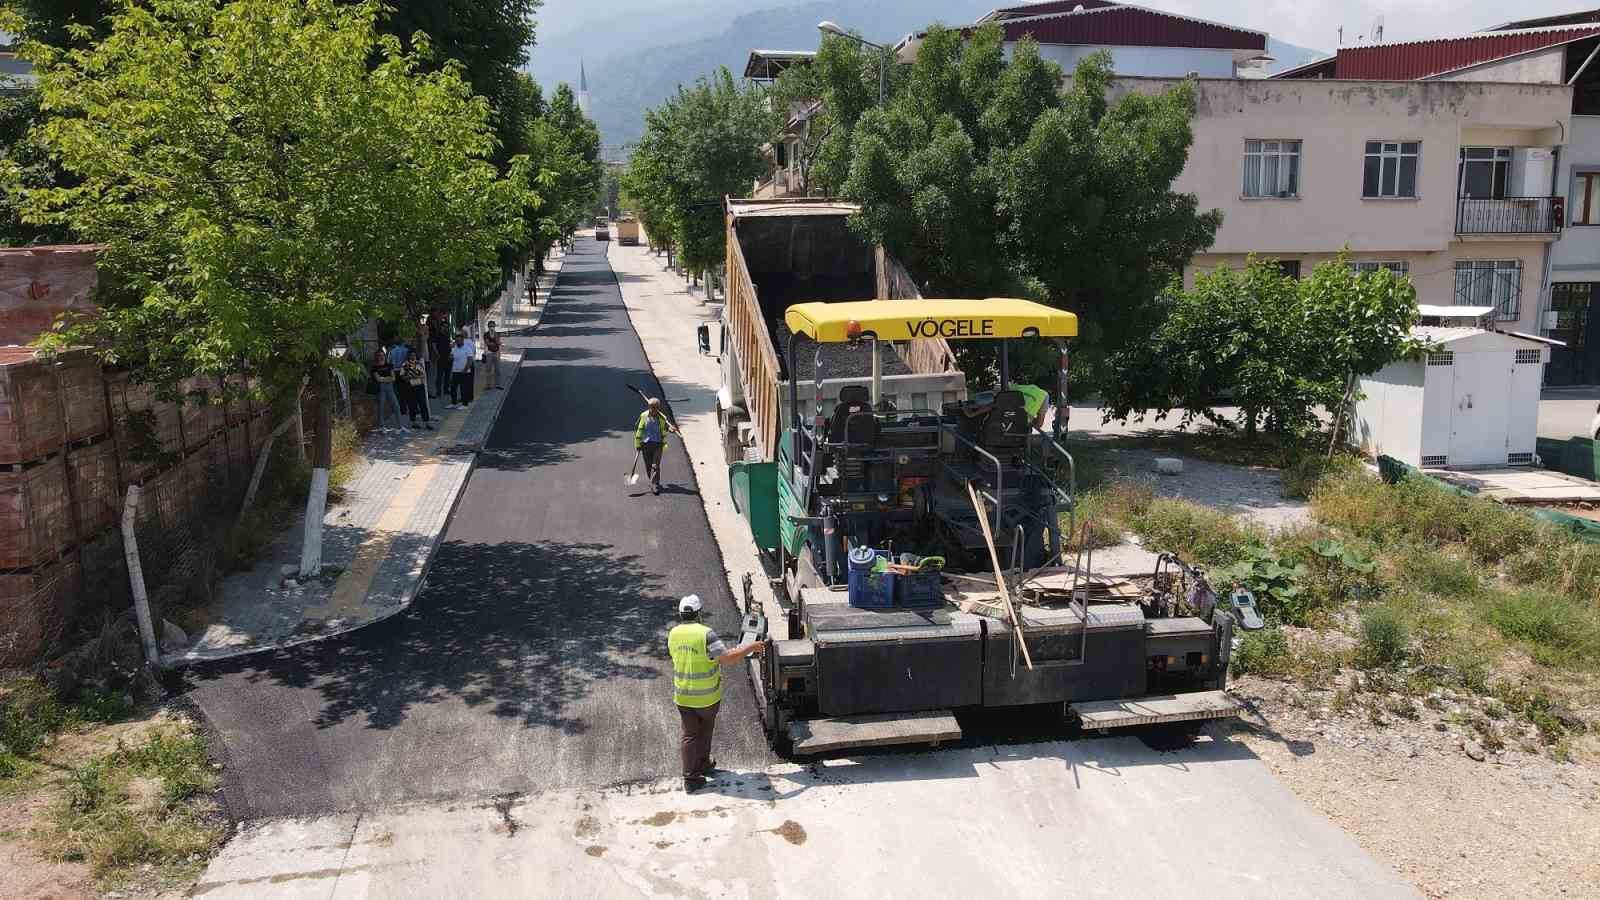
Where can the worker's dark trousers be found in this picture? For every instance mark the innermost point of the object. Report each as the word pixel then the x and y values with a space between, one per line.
pixel 695 745
pixel 652 461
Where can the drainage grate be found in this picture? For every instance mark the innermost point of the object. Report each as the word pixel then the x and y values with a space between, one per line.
pixel 1443 358
pixel 1525 357
pixel 1517 459
pixel 1429 462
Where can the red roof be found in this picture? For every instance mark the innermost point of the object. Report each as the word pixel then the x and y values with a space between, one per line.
pixel 1116 24
pixel 1424 59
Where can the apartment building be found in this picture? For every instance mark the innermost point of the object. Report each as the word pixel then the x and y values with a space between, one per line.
pixel 1550 51
pixel 1447 182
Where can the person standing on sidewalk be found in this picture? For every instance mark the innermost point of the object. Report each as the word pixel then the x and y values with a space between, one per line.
pixel 387 398
pixel 413 385
pixel 460 371
pixel 698 656
pixel 439 337
pixel 650 438
pixel 491 359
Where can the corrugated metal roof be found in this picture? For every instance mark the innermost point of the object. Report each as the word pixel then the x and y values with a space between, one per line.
pixel 1131 26
pixel 1422 59
pixel 1050 7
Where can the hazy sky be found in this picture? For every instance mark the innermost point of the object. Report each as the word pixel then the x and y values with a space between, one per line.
pixel 1309 23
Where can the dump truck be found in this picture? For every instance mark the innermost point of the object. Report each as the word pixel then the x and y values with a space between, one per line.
pixel 914 534
pixel 627 229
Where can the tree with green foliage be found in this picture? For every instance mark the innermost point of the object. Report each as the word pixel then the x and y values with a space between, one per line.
pixel 31 167
pixel 565 170
pixel 1280 349
pixel 701 145
pixel 986 178
pixel 266 176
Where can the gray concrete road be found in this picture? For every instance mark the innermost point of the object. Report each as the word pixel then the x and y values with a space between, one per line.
pixel 534 657
pixel 1094 818
pixel 1567 412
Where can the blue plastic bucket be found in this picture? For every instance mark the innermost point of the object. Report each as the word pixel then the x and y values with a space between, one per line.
pixel 869 587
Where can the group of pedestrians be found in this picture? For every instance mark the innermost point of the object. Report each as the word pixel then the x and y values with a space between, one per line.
pixel 400 381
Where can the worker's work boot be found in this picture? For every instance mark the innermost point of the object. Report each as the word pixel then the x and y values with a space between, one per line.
pixel 693 783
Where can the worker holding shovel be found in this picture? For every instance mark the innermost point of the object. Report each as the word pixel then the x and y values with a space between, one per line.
pixel 650 438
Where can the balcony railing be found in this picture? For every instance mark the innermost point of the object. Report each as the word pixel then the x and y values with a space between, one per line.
pixel 1510 215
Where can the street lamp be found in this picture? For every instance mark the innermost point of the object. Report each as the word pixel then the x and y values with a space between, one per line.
pixel 830 27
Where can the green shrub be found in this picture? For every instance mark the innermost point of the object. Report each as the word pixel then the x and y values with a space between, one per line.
pixel 29 715
pixel 1199 535
pixel 1275 582
pixel 1385 638
pixel 1264 652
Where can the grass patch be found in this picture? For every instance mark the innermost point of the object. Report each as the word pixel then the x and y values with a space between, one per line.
pixel 1196 533
pixel 1301 476
pixel 138 805
pixel 1107 510
pixel 1554 630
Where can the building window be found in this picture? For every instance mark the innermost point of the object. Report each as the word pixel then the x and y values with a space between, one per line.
pixel 1484 172
pixel 1397 266
pixel 1586 211
pixel 1271 168
pixel 1490 282
pixel 1289 267
pixel 1391 169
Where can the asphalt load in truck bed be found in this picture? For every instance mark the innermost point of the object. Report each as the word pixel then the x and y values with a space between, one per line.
pixel 838 360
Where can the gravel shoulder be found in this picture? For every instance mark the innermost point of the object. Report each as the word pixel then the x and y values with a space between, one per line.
pixel 1513 824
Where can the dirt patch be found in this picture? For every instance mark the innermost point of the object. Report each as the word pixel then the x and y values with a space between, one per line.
pixel 588 826
pixel 662 845
pixel 24 870
pixel 595 850
pixel 1409 785
pixel 660 819
pixel 791 831
pixel 508 824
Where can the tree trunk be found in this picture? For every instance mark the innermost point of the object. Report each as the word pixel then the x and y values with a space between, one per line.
pixel 1250 424
pixel 321 461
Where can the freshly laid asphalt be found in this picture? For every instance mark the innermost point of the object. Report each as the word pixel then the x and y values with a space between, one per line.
pixel 535 655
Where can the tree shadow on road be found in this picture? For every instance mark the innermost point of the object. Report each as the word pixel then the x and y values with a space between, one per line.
pixel 529 631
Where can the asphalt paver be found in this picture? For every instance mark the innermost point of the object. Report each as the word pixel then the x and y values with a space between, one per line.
pixel 534 657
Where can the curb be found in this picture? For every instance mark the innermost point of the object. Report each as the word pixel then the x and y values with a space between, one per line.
pixel 182 660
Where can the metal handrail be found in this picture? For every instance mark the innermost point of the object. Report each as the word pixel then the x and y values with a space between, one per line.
pixel 999 471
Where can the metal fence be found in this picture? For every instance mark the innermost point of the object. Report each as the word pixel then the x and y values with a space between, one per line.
pixel 1510 215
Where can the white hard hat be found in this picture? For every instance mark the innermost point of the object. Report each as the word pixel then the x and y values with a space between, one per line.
pixel 689 604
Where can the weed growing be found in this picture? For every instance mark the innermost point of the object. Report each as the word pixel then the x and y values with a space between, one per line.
pixel 138 805
pixel 1385 639
pixel 1264 652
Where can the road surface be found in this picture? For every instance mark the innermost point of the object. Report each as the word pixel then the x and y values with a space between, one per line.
pixel 534 657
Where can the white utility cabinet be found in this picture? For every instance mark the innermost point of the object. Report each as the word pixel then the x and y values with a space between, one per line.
pixel 1472 402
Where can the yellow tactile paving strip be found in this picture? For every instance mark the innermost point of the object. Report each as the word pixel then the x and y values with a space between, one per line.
pixel 354 584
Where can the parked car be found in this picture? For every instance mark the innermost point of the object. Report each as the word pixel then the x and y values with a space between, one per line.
pixel 602 231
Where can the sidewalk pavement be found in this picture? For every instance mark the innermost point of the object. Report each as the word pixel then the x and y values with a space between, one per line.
pixel 379 538
pixel 666 314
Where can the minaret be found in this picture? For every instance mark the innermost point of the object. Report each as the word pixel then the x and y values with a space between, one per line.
pixel 583 89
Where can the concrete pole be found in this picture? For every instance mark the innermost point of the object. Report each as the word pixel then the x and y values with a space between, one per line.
pixel 141 600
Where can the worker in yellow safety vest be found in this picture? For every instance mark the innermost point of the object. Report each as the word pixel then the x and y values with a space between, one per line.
pixel 698 656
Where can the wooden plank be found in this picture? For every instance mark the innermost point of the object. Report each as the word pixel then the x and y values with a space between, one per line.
pixel 1156 710
pixel 824 735
pixel 999 576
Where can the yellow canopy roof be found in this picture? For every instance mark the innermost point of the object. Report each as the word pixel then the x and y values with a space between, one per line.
pixel 904 320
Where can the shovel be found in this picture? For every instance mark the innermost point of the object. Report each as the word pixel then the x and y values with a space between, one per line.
pixel 633 474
